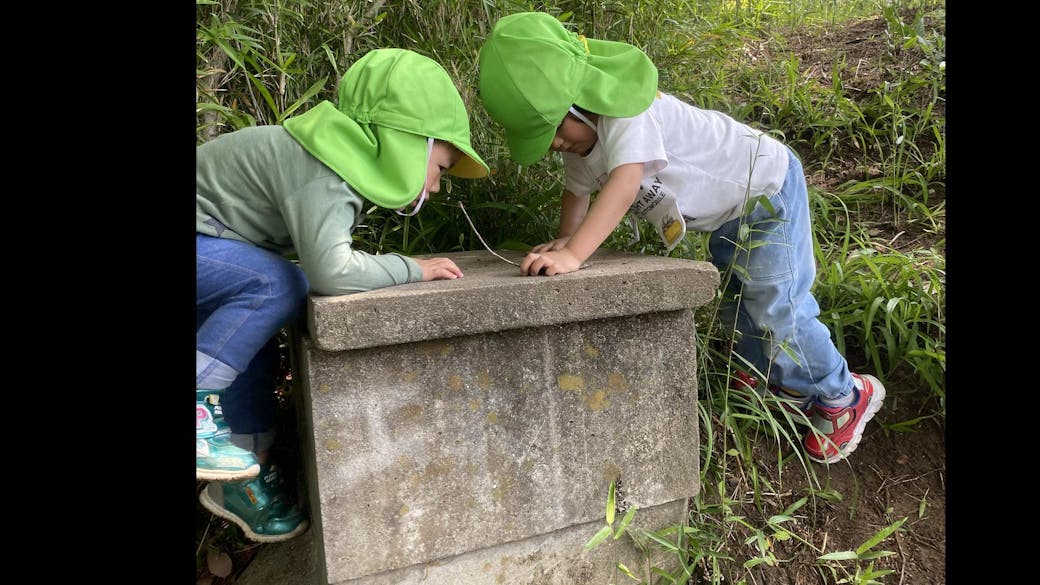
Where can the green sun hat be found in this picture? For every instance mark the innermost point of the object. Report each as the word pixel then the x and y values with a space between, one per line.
pixel 532 70
pixel 375 137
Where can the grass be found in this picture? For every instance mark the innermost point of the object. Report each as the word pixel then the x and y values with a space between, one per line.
pixel 869 126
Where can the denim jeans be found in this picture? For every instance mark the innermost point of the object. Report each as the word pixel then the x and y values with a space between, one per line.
pixel 244 295
pixel 773 308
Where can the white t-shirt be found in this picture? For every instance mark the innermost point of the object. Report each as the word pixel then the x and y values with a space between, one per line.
pixel 702 157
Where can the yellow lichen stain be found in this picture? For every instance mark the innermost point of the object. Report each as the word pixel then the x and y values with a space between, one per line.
pixel 434 348
pixel 403 510
pixel 486 567
pixel 504 563
pixel 474 404
pixel 484 380
pixel 333 444
pixel 492 418
pixel 591 351
pixel 527 465
pixel 598 400
pixel 410 376
pixel 570 383
pixel 617 383
pixel 324 388
pixel 455 382
pixel 407 413
pixel 611 472
pixel 503 488
pixel 415 479
pixel 438 468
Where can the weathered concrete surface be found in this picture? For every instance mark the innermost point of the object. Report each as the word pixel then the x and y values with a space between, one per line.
pixel 557 558
pixel 476 424
pixel 493 296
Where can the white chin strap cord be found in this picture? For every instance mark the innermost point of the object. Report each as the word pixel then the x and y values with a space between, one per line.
pixel 422 198
pixel 579 116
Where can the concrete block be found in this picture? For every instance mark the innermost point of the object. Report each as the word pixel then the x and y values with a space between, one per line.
pixel 466 431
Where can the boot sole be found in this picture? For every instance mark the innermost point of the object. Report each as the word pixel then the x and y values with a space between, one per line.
pixel 227 474
pixel 218 509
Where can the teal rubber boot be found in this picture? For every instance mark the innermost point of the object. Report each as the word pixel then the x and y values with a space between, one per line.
pixel 216 457
pixel 260 507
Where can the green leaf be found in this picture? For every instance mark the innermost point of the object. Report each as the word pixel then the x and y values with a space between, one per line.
pixel 625 522
pixel 666 544
pixel 624 569
pixel 610 504
pixel 845 555
pixel 316 87
pixel 875 555
pixel 750 563
pixel 598 538
pixel 881 535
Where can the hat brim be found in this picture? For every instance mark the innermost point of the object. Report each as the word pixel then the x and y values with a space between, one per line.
pixel 528 150
pixel 469 165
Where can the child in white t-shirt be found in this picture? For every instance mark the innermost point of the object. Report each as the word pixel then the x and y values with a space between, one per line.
pixel 679 167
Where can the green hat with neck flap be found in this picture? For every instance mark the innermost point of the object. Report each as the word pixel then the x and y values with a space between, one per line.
pixel 390 102
pixel 532 70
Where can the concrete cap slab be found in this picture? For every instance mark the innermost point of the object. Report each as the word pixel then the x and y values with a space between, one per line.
pixel 494 296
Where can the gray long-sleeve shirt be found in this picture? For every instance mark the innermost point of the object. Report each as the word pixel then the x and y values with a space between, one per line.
pixel 258 185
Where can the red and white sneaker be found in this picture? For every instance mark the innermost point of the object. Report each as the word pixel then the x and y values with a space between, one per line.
pixel 839 429
pixel 796 404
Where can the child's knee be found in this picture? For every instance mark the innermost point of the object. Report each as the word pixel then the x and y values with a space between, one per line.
pixel 290 284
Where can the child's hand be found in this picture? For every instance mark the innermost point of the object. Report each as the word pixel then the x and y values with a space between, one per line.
pixel 549 263
pixel 438 269
pixel 557 244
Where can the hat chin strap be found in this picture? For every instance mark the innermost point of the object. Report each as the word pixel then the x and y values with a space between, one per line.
pixel 579 116
pixel 422 197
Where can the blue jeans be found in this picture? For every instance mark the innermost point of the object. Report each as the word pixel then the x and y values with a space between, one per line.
pixel 244 295
pixel 772 306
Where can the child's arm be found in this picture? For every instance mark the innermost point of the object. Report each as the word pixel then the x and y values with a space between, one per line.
pixel 320 217
pixel 573 210
pixel 603 216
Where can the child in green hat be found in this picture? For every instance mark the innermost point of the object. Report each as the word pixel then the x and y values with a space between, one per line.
pixel 264 192
pixel 681 168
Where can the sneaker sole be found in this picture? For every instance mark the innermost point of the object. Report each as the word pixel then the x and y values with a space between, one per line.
pixel 872 407
pixel 218 510
pixel 227 474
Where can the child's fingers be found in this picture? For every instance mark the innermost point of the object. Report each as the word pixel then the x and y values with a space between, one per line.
pixel 439 269
pixel 448 269
pixel 532 263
